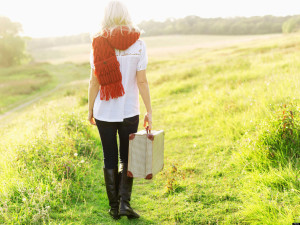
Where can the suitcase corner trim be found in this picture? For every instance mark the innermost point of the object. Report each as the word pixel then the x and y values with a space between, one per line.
pixel 131 136
pixel 129 174
pixel 150 137
pixel 149 176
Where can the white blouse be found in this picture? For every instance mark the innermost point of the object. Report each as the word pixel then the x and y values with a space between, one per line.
pixel 115 110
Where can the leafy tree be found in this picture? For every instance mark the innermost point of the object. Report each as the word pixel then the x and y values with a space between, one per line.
pixel 12 46
pixel 291 25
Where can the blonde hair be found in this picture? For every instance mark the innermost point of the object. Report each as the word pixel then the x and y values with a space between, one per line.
pixel 116 15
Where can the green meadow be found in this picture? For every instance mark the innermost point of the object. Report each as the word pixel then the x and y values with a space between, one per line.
pixel 231 117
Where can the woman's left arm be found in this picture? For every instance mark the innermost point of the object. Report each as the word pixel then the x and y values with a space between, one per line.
pixel 93 91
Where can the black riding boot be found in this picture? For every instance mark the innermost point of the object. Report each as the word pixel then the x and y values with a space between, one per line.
pixel 112 183
pixel 125 188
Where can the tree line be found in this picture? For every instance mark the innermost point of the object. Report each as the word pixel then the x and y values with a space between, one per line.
pixel 222 26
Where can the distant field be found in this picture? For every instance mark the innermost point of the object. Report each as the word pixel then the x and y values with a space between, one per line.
pixel 21 84
pixel 158 46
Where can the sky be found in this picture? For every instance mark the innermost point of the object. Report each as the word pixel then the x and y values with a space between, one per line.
pixel 43 18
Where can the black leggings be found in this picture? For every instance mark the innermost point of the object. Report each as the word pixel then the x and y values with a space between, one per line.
pixel 108 135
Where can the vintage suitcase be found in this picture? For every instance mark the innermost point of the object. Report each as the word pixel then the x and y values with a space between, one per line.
pixel 146 153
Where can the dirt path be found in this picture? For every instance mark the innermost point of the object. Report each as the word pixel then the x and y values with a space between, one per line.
pixel 25 104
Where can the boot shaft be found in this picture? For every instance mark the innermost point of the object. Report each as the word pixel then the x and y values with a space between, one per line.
pixel 125 184
pixel 111 178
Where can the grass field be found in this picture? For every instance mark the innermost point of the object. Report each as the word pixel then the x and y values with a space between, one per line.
pixel 231 118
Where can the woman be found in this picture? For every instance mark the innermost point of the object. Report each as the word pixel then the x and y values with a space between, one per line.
pixel 118 75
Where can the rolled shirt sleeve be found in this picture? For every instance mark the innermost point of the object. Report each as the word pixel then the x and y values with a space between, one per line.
pixel 92 59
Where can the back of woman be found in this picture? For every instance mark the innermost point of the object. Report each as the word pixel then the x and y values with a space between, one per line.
pixel 131 60
pixel 118 74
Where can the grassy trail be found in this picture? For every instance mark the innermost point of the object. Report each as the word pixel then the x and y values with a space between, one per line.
pixel 23 85
pixel 29 102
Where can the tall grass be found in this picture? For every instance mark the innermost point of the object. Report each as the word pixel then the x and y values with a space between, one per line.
pixel 47 172
pixel 270 162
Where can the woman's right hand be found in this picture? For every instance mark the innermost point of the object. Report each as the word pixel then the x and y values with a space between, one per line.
pixel 91 119
pixel 148 119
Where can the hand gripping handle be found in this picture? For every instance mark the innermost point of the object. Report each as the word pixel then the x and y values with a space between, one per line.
pixel 148 130
pixel 150 136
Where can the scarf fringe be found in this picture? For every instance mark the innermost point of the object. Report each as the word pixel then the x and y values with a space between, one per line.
pixel 113 90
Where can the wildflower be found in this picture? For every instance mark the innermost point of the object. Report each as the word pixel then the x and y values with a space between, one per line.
pixel 82 161
pixel 75 154
pixel 24 199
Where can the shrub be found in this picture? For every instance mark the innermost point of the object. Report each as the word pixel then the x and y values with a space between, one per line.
pixel 291 25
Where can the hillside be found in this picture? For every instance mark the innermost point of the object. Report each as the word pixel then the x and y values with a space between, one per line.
pixel 231 118
pixel 25 83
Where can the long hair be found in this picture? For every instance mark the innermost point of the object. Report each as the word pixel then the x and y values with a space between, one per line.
pixel 116 15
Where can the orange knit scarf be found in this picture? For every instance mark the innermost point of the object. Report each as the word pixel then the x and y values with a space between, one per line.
pixel 107 67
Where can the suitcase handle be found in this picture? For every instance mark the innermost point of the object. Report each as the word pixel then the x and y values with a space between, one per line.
pixel 148 130
pixel 150 136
